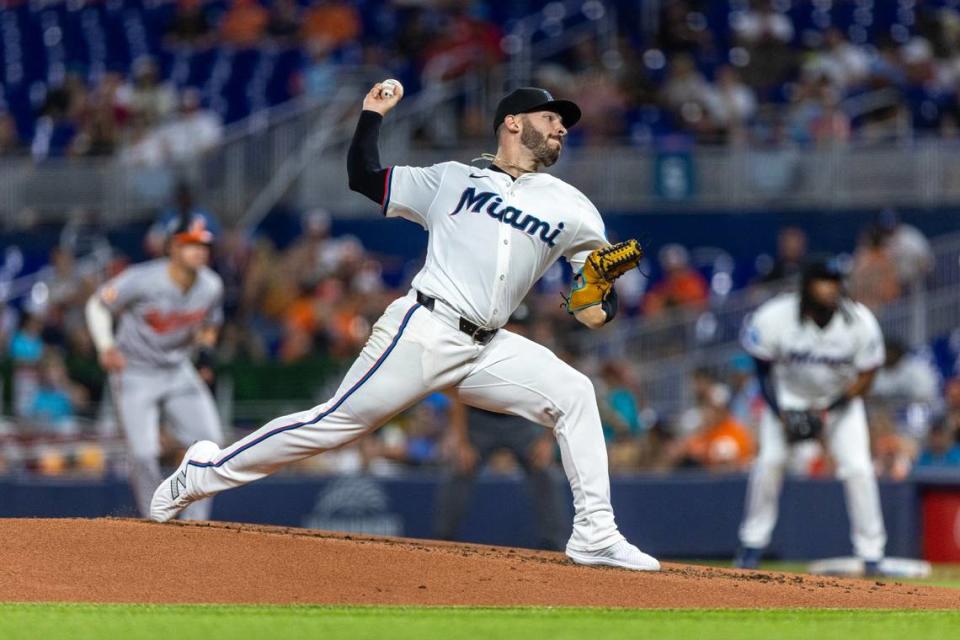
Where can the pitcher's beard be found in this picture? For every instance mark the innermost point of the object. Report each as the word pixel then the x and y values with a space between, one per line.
pixel 538 144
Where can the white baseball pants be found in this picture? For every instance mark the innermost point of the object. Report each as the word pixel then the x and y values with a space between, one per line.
pixel 413 352
pixel 848 441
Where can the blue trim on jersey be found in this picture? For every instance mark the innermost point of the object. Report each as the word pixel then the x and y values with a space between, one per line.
pixel 323 415
pixel 386 191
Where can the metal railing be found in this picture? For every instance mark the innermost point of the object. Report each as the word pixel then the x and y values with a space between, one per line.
pixel 626 178
pixel 616 177
pixel 668 350
pixel 722 320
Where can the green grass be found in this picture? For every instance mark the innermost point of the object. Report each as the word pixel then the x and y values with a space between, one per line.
pixel 132 622
pixel 183 622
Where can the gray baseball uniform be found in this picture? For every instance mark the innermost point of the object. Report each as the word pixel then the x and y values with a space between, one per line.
pixel 156 329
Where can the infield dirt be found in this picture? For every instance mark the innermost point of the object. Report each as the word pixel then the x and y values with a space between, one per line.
pixel 133 561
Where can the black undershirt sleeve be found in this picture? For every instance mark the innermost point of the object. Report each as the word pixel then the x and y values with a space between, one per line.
pixel 365 174
pixel 765 378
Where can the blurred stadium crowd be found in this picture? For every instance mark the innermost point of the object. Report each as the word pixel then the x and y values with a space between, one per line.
pixel 156 80
pixel 307 295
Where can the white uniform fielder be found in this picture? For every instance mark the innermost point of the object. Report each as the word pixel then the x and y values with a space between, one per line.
pixel 490 239
pixel 812 366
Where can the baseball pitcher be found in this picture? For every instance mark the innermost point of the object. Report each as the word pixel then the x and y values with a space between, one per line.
pixel 147 324
pixel 816 354
pixel 493 232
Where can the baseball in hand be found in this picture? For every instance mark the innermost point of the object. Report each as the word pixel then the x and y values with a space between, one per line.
pixel 389 88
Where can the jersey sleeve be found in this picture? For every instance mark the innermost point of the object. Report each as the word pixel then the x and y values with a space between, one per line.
pixel 870 351
pixel 410 191
pixel 761 336
pixel 591 235
pixel 121 290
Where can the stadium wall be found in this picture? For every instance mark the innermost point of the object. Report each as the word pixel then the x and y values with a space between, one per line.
pixel 689 515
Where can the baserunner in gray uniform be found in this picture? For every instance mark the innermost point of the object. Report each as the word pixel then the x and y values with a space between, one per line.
pixel 165 310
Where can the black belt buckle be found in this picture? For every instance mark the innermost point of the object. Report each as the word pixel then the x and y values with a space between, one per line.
pixel 479 335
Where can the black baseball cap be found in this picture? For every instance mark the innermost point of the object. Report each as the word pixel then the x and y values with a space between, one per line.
pixel 823 270
pixel 530 99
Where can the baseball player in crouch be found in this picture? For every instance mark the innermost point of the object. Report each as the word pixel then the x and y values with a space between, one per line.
pixel 164 310
pixel 492 234
pixel 816 353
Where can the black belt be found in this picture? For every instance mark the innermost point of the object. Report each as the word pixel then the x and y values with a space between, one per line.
pixel 483 336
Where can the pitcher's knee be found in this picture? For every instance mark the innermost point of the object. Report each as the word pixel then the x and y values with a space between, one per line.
pixel 580 386
pixel 576 391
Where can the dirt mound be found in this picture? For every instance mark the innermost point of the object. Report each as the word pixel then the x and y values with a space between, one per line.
pixel 110 560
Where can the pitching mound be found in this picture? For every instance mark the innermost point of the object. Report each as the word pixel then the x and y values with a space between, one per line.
pixel 133 561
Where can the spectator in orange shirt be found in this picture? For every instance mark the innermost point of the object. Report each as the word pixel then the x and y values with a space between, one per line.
pixel 721 443
pixel 464 43
pixel 347 328
pixel 680 286
pixel 951 397
pixel 301 324
pixel 893 453
pixel 243 23
pixel 328 25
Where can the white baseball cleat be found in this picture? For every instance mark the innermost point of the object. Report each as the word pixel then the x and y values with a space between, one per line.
pixel 174 493
pixel 622 554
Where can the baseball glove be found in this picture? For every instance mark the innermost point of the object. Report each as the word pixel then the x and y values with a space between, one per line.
pixel 603 266
pixel 801 425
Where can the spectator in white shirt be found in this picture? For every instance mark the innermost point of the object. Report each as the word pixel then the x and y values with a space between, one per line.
pixel 765 36
pixel 908 387
pixel 909 247
pixel 762 24
pixel 194 131
pixel 731 103
pixel 846 64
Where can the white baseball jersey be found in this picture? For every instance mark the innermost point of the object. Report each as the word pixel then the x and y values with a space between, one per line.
pixel 157 322
pixel 491 237
pixel 813 365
